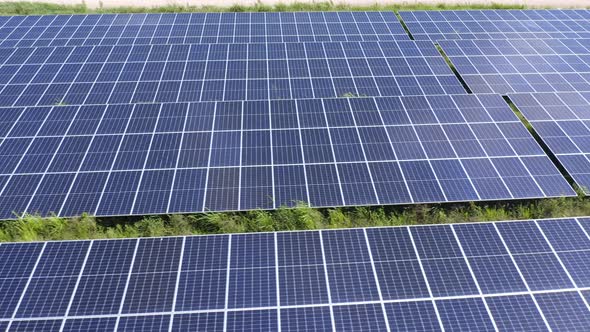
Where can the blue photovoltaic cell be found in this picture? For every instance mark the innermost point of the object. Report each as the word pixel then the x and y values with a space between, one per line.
pixel 516 313
pixel 561 121
pixel 578 265
pixel 144 323
pixel 99 294
pixel 464 315
pixel 390 244
pixel 303 285
pixel 436 242
pixel 352 282
pixel 449 277
pixel 11 290
pixel 201 290
pixel 140 296
pixel 345 246
pixel 90 324
pixel 414 278
pixel 523 238
pixel 564 311
pixel 364 317
pixel 18 259
pixel 412 316
pixel 36 325
pixel 306 319
pixel 496 24
pixel 252 321
pixel 496 274
pixel 198 322
pixel 401 280
pixel 252 287
pixel 299 248
pixel 543 271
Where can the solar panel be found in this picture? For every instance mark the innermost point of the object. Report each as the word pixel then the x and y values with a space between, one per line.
pixel 225 156
pixel 213 72
pixel 561 121
pixel 195 28
pixel 496 24
pixel 521 66
pixel 212 282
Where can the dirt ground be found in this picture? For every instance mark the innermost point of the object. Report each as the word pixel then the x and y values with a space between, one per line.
pixel 153 3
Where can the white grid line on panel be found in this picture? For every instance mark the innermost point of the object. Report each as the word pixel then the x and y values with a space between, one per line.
pixel 127 284
pixel 89 249
pixel 63 138
pixel 147 157
pixel 464 257
pixel 419 259
pixel 113 163
pixel 325 270
pixel 374 270
pixel 205 187
pixel 227 283
pixel 17 307
pixel 178 274
pixel 521 275
pixel 562 265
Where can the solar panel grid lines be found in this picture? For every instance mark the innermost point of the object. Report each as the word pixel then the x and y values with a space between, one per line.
pixel 388 246
pixel 198 28
pixel 521 65
pixel 473 276
pixel 117 157
pixel 226 303
pixel 560 119
pixel 376 280
pixel 198 72
pixel 494 24
pixel 426 282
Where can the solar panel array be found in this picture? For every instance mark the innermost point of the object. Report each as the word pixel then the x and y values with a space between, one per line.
pixel 191 28
pixel 170 113
pixel 497 24
pixel 562 121
pixel 212 72
pixel 193 157
pixel 528 275
pixel 517 65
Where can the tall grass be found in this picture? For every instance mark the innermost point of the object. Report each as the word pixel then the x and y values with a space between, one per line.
pixel 37 8
pixel 35 228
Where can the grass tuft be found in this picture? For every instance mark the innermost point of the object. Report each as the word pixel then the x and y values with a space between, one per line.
pixel 35 228
pixel 40 8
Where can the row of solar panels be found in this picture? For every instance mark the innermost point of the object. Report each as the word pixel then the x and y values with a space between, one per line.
pixel 496 24
pixel 261 152
pixel 165 158
pixel 211 72
pixel 303 26
pixel 529 275
pixel 200 28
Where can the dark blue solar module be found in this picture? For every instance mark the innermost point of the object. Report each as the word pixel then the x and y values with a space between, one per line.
pixel 216 72
pixel 497 24
pixel 178 28
pixel 562 121
pixel 225 156
pixel 376 279
pixel 521 65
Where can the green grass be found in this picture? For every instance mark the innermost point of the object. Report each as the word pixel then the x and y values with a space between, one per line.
pixel 30 8
pixel 34 228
